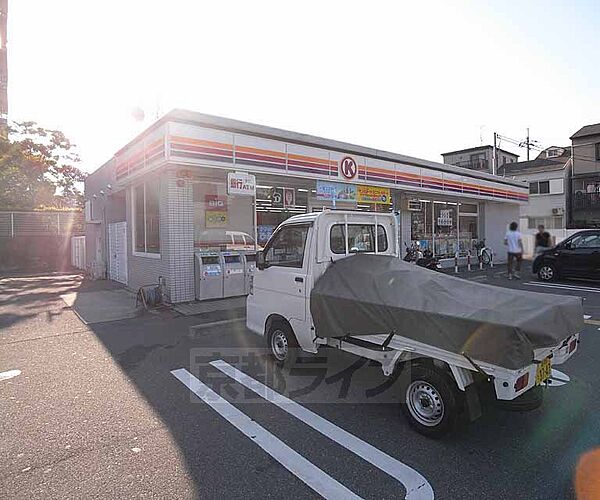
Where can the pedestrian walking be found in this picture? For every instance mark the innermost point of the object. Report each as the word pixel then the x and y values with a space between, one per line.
pixel 515 250
pixel 542 240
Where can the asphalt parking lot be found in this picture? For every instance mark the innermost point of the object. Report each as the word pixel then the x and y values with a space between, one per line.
pixel 164 405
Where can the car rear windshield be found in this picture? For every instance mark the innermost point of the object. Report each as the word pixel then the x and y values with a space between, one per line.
pixel 361 238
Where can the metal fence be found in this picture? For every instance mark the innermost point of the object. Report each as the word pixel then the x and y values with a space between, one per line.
pixel 14 224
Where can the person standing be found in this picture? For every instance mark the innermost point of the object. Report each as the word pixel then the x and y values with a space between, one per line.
pixel 515 250
pixel 542 240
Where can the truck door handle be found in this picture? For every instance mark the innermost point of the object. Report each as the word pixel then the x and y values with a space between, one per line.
pixel 299 279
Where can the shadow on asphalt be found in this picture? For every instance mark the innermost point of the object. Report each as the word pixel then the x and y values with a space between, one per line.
pixel 550 438
pixel 512 445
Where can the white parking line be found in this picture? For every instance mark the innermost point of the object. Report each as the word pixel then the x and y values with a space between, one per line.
pixel 575 288
pixel 306 471
pixel 417 487
pixel 9 374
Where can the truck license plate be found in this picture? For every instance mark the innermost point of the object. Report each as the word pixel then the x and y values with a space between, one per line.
pixel 544 370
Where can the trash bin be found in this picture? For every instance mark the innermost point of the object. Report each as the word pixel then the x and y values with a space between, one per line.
pixel 249 268
pixel 233 274
pixel 208 269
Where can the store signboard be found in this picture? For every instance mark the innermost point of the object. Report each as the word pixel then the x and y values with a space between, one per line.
pixel 445 218
pixel 335 191
pixel 415 205
pixel 241 183
pixel 373 194
pixel 216 219
pixel 215 202
pixel 289 197
pixel 276 196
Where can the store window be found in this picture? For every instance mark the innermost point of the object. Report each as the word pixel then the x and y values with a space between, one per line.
pixel 286 249
pixel 222 222
pixel 146 217
pixel 361 238
pixel 421 224
pixel 445 229
pixel 468 227
pixel 272 207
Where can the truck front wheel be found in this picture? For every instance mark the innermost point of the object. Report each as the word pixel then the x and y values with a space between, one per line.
pixel 282 344
pixel 430 401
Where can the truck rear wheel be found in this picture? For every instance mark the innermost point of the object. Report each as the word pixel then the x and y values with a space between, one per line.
pixel 430 401
pixel 282 344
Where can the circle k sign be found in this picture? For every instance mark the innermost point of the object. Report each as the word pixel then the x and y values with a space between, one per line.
pixel 348 167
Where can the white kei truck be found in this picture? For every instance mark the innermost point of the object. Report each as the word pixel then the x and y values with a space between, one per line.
pixel 335 279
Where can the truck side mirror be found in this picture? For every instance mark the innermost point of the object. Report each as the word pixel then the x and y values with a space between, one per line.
pixel 261 263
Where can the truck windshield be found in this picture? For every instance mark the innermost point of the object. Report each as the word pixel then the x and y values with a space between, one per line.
pixel 361 238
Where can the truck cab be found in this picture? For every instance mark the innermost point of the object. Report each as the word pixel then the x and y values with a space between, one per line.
pixel 298 253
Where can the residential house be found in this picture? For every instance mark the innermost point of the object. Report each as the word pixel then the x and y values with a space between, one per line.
pixel 479 158
pixel 547 177
pixel 585 178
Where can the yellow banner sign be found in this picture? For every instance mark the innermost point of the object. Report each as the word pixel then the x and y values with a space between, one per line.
pixel 216 218
pixel 373 194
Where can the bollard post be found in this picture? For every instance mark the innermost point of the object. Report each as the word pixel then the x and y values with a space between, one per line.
pixel 456 262
pixel 491 259
pixel 468 260
pixel 480 258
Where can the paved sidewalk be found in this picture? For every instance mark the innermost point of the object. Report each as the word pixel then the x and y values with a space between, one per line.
pixel 488 273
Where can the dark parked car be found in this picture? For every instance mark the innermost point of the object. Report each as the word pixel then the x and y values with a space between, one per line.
pixel 578 257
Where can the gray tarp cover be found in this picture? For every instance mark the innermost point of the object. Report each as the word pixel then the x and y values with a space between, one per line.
pixel 373 294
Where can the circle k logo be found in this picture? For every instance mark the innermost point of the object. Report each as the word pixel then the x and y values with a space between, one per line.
pixel 348 167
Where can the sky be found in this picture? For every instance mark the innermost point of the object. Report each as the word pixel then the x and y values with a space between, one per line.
pixel 416 78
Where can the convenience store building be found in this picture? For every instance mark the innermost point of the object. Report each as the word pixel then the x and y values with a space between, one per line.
pixel 195 182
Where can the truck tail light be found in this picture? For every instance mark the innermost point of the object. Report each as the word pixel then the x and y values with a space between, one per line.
pixel 522 382
pixel 572 345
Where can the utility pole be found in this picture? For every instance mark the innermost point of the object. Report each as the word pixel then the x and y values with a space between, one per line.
pixel 528 143
pixel 3 69
pixel 494 155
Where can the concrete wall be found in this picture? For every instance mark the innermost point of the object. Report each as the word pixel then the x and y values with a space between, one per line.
pixel 101 200
pixel 496 218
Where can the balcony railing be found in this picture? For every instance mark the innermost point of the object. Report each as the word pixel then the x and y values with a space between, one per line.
pixel 479 164
pixel 586 201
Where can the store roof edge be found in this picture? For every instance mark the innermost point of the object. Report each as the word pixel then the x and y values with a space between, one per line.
pixel 232 125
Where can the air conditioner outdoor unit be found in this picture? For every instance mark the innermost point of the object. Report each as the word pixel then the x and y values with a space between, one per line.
pixel 558 211
pixel 579 193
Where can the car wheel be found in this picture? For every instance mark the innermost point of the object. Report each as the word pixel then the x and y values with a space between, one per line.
pixel 430 401
pixel 282 344
pixel 547 272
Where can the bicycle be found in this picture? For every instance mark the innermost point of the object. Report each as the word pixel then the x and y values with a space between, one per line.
pixel 484 254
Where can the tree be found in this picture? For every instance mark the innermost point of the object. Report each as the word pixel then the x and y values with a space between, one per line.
pixel 38 169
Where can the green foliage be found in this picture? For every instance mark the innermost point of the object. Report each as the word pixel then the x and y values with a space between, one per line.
pixel 38 169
